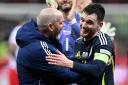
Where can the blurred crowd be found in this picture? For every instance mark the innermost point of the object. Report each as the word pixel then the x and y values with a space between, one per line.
pixel 23 1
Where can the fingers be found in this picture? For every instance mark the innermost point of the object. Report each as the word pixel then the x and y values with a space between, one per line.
pixel 54 61
pixel 59 55
pixel 53 55
pixel 113 29
pixel 106 28
pixel 59 52
pixel 52 58
pixel 108 25
pixel 52 3
pixel 60 61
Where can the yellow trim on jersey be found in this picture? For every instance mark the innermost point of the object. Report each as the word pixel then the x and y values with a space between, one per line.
pixel 78 54
pixel 113 66
pixel 102 57
pixel 103 80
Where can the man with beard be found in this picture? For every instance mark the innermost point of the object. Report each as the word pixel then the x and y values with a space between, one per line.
pixel 36 40
pixel 94 50
pixel 71 29
pixel 71 10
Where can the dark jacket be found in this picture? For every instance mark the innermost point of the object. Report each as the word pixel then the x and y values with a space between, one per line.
pixel 32 66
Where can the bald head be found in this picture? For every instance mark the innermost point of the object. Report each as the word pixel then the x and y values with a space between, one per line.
pixel 47 15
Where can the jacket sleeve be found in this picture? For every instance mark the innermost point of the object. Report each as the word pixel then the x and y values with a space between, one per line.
pixel 37 62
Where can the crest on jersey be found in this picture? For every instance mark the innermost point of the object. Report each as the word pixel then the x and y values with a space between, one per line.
pixel 84 55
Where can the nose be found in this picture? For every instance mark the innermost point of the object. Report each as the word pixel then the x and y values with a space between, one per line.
pixel 83 24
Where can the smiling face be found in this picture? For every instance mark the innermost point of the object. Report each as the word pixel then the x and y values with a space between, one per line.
pixel 64 5
pixel 89 25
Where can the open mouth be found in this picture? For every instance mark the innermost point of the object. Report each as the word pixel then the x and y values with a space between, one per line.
pixel 65 4
pixel 85 30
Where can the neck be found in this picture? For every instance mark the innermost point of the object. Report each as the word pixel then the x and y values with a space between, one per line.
pixel 65 14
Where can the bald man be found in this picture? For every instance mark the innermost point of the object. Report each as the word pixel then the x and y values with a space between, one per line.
pixel 36 40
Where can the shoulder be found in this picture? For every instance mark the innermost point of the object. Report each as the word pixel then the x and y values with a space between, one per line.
pixel 79 40
pixel 103 39
pixel 34 52
pixel 31 49
pixel 103 44
pixel 41 47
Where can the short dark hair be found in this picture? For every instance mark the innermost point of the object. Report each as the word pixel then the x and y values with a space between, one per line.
pixel 97 9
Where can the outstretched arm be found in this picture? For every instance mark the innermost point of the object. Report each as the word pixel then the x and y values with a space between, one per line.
pixel 94 68
pixel 81 4
pixel 71 13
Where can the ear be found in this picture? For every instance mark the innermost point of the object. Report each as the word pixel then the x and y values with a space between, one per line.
pixel 50 27
pixel 100 24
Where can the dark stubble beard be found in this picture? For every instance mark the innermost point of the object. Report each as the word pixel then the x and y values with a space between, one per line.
pixel 64 10
pixel 53 36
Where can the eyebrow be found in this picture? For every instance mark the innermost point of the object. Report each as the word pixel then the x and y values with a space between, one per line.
pixel 89 19
pixel 92 20
pixel 84 15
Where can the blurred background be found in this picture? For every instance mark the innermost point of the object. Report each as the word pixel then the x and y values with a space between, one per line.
pixel 15 12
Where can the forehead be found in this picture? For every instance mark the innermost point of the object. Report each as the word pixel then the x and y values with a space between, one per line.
pixel 61 0
pixel 59 16
pixel 89 16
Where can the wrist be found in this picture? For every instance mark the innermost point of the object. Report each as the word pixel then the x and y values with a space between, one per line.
pixel 70 64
